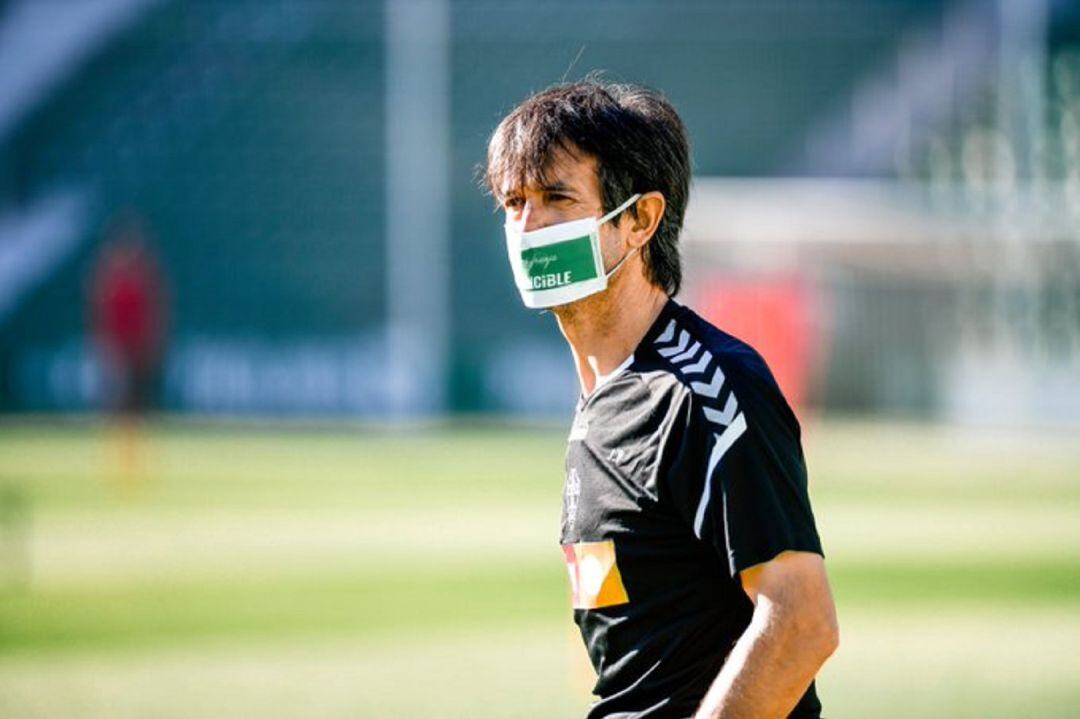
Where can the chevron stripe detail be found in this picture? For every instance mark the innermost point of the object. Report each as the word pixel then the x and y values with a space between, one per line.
pixel 669 332
pixel 687 355
pixel 710 389
pixel 723 417
pixel 700 366
pixel 684 340
pixel 720 447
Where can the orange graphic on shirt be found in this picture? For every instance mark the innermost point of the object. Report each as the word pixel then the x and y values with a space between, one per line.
pixel 595 580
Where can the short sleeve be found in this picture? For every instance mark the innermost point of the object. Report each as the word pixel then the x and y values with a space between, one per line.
pixel 733 467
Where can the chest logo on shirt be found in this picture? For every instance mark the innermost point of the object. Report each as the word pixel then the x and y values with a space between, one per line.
pixel 595 580
pixel 571 495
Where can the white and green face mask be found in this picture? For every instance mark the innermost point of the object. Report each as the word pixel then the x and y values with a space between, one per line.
pixel 561 263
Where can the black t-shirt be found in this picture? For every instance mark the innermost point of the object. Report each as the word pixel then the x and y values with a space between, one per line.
pixel 682 470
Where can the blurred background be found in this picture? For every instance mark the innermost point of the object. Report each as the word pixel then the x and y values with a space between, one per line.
pixel 277 437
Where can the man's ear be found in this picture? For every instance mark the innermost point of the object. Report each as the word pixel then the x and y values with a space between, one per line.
pixel 650 210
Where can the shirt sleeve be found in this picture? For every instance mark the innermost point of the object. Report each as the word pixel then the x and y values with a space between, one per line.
pixel 733 467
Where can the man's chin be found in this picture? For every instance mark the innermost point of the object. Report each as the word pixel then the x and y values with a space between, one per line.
pixel 573 309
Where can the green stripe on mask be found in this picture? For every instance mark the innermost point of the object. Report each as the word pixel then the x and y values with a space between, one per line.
pixel 559 264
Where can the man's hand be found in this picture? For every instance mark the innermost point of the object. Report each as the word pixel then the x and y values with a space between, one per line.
pixel 792 633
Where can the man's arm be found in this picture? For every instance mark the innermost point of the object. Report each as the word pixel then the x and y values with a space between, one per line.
pixel 792 632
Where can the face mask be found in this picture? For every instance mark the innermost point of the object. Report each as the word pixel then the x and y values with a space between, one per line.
pixel 561 263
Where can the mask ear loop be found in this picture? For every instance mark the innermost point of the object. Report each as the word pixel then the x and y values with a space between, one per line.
pixel 620 263
pixel 618 210
pixel 614 213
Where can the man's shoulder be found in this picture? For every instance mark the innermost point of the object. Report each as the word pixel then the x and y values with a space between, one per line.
pixel 690 350
pixel 727 382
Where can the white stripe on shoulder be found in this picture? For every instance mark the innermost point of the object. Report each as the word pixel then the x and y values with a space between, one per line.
pixel 727 415
pixel 700 366
pixel 720 447
pixel 684 340
pixel 710 389
pixel 687 355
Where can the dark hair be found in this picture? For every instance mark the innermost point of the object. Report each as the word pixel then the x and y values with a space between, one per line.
pixel 634 134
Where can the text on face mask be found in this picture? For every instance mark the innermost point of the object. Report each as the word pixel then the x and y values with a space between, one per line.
pixel 543 282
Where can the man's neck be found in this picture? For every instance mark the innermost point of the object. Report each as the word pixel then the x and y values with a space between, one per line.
pixel 603 330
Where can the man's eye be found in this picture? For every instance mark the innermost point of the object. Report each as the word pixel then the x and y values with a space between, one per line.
pixel 557 197
pixel 513 203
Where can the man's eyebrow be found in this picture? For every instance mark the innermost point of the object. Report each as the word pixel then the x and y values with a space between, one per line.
pixel 557 186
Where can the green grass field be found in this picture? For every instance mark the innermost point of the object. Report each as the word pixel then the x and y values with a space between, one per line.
pixel 359 573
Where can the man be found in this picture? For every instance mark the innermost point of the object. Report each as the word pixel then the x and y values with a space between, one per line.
pixel 696 571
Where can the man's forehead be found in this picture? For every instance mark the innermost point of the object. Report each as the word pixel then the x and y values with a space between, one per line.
pixel 562 172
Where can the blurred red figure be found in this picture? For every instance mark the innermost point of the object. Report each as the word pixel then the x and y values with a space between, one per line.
pixel 129 318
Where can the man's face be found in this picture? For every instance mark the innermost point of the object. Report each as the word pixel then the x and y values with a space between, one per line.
pixel 572 192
